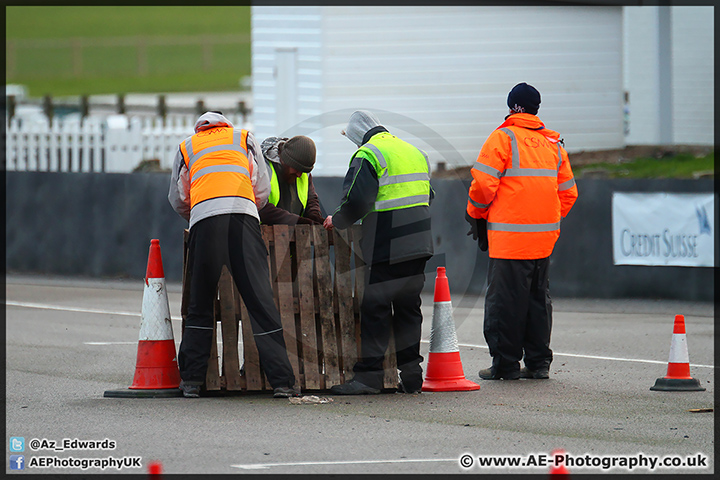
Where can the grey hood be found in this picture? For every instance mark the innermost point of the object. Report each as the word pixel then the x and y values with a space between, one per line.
pixel 361 122
pixel 211 120
pixel 269 148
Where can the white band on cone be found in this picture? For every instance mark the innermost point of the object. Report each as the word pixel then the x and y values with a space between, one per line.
pixel 155 321
pixel 443 338
pixel 678 349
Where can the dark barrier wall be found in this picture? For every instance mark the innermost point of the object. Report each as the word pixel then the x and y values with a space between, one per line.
pixel 90 224
pixel 100 225
pixel 582 263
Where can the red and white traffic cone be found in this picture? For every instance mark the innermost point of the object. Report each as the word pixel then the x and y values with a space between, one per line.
pixel 444 368
pixel 156 368
pixel 678 377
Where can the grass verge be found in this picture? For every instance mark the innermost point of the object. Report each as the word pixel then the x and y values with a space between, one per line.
pixel 682 165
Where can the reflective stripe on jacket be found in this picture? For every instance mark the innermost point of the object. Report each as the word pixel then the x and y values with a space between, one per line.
pixel 523 185
pixel 217 160
pixel 403 172
pixel 301 185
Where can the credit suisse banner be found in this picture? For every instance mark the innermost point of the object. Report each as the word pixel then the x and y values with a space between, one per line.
pixel 664 229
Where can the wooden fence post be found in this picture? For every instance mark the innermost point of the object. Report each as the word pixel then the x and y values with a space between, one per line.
pixel 242 109
pixel 84 107
pixel 48 108
pixel 200 107
pixel 121 103
pixel 10 107
pixel 162 107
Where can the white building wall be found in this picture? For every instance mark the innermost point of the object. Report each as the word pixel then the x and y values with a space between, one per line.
pixel 691 73
pixel 641 74
pixel 279 33
pixel 693 50
pixel 439 76
pixel 450 69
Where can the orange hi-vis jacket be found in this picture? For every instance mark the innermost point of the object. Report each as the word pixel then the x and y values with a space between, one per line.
pixel 523 185
pixel 219 167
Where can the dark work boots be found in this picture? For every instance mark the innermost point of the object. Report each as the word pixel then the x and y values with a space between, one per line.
pixel 539 374
pixel 353 387
pixel 493 374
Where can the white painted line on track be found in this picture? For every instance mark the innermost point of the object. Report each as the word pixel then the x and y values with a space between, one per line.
pixel 596 357
pixel 263 466
pixel 43 306
pixel 466 345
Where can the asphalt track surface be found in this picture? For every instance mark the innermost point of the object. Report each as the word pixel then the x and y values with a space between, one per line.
pixel 70 340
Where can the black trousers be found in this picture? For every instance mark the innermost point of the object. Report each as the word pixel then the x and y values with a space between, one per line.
pixel 518 313
pixel 233 240
pixel 391 302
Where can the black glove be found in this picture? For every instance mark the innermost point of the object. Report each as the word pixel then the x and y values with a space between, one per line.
pixel 478 230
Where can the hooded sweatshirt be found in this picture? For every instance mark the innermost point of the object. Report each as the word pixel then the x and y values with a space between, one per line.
pixel 387 236
pixel 179 192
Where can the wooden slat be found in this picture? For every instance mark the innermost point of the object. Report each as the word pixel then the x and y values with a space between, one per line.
pixel 187 272
pixel 238 323
pixel 320 314
pixel 360 266
pixel 323 287
pixel 230 362
pixel 251 357
pixel 212 378
pixel 308 333
pixel 268 234
pixel 185 295
pixel 344 298
pixel 285 294
pixel 360 272
pixel 390 379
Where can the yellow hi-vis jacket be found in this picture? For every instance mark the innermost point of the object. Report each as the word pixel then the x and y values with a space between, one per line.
pixel 301 184
pixel 404 181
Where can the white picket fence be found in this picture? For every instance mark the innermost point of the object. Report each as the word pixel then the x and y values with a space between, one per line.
pixel 115 144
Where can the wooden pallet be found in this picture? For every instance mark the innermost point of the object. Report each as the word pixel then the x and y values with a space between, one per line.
pixel 318 280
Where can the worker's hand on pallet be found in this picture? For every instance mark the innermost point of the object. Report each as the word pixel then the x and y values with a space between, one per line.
pixel 328 223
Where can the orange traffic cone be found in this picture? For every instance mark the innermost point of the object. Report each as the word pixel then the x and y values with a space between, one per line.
pixel 444 368
pixel 558 467
pixel 678 377
pixel 156 368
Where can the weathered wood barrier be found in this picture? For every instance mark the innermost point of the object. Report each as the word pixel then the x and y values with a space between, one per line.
pixel 318 281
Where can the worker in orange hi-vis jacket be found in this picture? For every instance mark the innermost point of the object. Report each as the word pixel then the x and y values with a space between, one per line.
pixel 522 186
pixel 218 182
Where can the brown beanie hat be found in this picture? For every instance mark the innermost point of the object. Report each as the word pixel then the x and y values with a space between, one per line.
pixel 298 153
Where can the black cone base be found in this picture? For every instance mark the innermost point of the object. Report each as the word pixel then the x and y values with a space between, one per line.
pixel 677 385
pixel 145 393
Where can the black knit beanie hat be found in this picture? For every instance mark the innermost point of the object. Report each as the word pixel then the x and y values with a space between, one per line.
pixel 298 153
pixel 524 98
